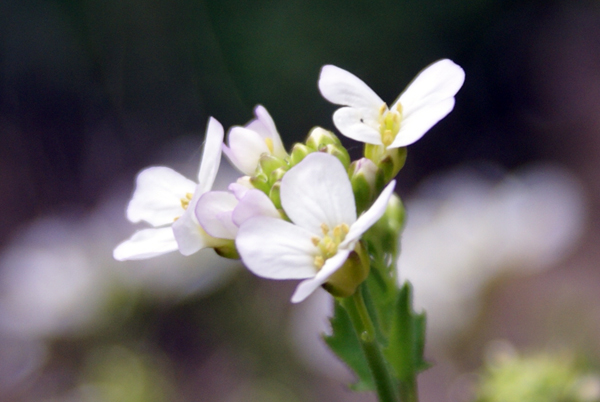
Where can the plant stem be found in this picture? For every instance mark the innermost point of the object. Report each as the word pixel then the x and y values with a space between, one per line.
pixel 365 330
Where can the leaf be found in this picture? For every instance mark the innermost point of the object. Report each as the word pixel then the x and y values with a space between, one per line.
pixel 407 338
pixel 345 344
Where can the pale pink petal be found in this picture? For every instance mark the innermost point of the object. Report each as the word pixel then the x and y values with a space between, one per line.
pixel 254 203
pixel 353 124
pixel 146 243
pixel 157 196
pixel 211 156
pixel 415 125
pixel 306 287
pixel 276 249
pixel 437 82
pixel 317 191
pixel 369 217
pixel 214 213
pixel 343 88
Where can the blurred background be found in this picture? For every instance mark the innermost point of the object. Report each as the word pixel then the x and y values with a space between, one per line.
pixel 503 195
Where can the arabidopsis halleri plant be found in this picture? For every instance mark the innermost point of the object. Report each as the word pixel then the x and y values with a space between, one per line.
pixel 166 200
pixel 247 144
pixel 367 118
pixel 317 197
pixel 314 215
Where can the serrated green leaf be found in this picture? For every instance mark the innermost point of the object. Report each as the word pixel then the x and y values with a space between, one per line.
pixel 345 344
pixel 406 338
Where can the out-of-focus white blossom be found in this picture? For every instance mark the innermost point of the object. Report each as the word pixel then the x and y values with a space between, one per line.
pixel 464 230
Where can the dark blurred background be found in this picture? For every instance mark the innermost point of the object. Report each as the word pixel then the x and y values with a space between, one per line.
pixel 93 91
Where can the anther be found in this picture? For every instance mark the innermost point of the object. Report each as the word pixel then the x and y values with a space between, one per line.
pixel 324 228
pixel 269 143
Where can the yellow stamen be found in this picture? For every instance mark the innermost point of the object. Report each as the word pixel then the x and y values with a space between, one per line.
pixel 269 143
pixel 315 240
pixel 324 228
pixel 185 202
pixel 319 262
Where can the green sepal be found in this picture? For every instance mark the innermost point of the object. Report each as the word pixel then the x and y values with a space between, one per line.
pixel 339 152
pixel 345 344
pixel 274 194
pixel 319 138
pixel 407 338
pixel 268 163
pixel 299 152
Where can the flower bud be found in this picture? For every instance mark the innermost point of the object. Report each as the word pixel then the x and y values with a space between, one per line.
pixel 274 194
pixel 391 162
pixel 299 152
pixel 268 163
pixel 260 182
pixel 363 175
pixel 339 152
pixel 344 281
pixel 319 137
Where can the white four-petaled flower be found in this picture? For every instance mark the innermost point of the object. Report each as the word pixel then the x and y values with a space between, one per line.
pixel 166 200
pixel 247 144
pixel 317 197
pixel 367 118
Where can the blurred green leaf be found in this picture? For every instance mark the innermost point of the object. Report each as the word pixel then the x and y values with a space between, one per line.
pixel 407 338
pixel 345 344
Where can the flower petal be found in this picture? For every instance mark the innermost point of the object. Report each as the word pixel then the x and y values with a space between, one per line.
pixel 317 191
pixel 353 124
pixel 211 156
pixel 265 126
pixel 437 82
pixel 245 148
pixel 276 249
pixel 415 125
pixel 190 236
pixel 369 217
pixel 214 212
pixel 146 243
pixel 254 203
pixel 157 196
pixel 343 88
pixel 305 288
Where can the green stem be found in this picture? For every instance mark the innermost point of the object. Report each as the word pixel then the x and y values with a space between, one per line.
pixel 408 390
pixel 355 305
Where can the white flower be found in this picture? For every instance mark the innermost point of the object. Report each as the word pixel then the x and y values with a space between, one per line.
pixel 247 144
pixel 166 200
pixel 317 197
pixel 366 118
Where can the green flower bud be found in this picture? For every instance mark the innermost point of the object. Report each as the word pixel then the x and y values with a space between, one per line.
pixel 268 163
pixel 319 137
pixel 274 194
pixel 299 152
pixel 363 176
pixel 391 162
pixel 344 281
pixel 261 182
pixel 339 152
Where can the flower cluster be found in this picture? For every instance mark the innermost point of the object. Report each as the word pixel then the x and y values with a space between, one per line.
pixel 296 215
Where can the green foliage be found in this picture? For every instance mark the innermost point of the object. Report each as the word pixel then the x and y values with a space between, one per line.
pixel 407 338
pixel 345 344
